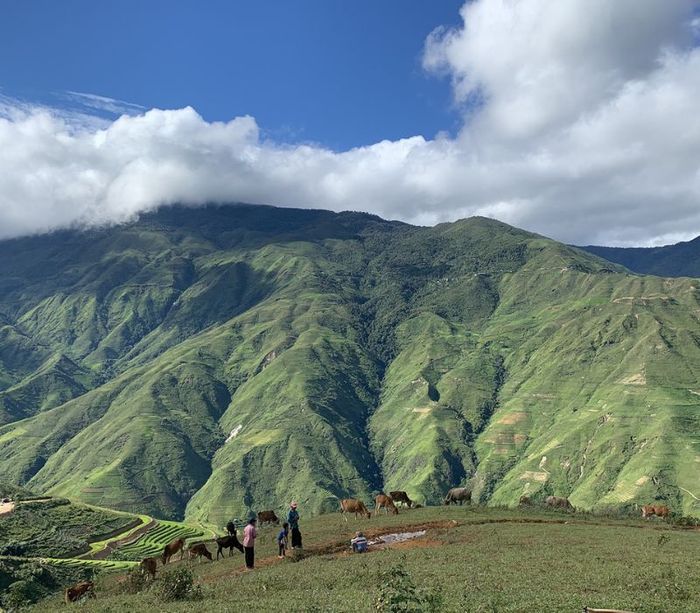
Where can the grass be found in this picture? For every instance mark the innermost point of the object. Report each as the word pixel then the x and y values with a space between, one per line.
pixel 474 558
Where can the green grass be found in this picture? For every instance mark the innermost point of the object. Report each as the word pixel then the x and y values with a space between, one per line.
pixel 476 559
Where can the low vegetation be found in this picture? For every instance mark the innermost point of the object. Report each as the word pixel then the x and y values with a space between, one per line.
pixel 55 528
pixel 470 559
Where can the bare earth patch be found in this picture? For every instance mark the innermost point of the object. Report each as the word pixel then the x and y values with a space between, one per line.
pixel 636 379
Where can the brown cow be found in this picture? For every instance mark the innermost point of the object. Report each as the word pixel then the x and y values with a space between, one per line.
pixel 660 510
pixel 172 548
pixel 559 502
pixel 84 589
pixel 458 494
pixel 382 500
pixel 149 566
pixel 402 497
pixel 267 517
pixel 524 500
pixel 199 550
pixel 352 505
pixel 230 541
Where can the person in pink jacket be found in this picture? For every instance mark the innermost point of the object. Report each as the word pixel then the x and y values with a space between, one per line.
pixel 249 535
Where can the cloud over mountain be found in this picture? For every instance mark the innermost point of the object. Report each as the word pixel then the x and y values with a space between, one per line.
pixel 580 122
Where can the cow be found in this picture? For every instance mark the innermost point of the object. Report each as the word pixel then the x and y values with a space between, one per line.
pixel 172 548
pixel 458 494
pixel 84 589
pixel 524 500
pixel 648 510
pixel 230 541
pixel 402 497
pixel 199 550
pixel 382 500
pixel 267 517
pixel 149 566
pixel 559 502
pixel 352 505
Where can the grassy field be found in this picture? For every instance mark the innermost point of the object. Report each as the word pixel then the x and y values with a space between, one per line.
pixel 471 559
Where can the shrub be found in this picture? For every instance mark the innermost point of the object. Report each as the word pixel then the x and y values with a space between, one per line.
pixel 21 593
pixel 178 584
pixel 135 580
pixel 398 593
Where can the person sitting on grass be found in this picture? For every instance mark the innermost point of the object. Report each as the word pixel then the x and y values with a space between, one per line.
pixel 359 543
pixel 282 540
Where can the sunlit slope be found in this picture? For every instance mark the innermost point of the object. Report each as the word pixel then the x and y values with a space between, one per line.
pixel 211 362
pixel 601 398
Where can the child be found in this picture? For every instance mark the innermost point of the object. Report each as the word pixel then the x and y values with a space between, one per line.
pixel 282 540
pixel 359 543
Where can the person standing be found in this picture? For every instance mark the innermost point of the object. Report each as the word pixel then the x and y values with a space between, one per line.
pixel 249 536
pixel 282 540
pixel 293 521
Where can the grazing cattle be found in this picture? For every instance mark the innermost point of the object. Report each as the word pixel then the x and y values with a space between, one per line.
pixel 559 502
pixel 230 541
pixel 660 510
pixel 351 505
pixel 402 497
pixel 524 500
pixel 382 500
pixel 149 566
pixel 199 550
pixel 458 494
pixel 267 517
pixel 172 548
pixel 80 590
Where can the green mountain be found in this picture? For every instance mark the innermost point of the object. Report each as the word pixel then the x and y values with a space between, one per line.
pixel 679 260
pixel 207 362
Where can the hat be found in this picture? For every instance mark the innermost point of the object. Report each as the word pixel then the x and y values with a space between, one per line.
pixel 293 505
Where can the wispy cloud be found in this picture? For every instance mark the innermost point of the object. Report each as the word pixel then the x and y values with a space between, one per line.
pixel 93 102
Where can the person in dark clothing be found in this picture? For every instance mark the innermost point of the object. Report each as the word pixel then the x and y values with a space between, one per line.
pixel 249 536
pixel 293 521
pixel 282 540
pixel 231 528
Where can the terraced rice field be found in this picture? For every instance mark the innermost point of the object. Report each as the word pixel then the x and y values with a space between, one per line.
pixel 152 543
pixel 103 565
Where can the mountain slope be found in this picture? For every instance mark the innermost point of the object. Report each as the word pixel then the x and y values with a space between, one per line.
pixel 224 359
pixel 679 260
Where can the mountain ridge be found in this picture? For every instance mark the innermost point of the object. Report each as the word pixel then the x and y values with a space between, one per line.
pixel 235 357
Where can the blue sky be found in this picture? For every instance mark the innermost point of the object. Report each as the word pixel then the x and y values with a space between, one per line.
pixel 338 73
pixel 586 127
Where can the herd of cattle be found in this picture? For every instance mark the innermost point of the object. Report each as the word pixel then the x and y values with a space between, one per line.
pixel 347 506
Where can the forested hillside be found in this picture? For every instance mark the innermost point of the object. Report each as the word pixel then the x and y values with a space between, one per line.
pixel 205 362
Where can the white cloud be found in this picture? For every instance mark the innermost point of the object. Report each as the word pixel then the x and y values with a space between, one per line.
pixel 586 131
